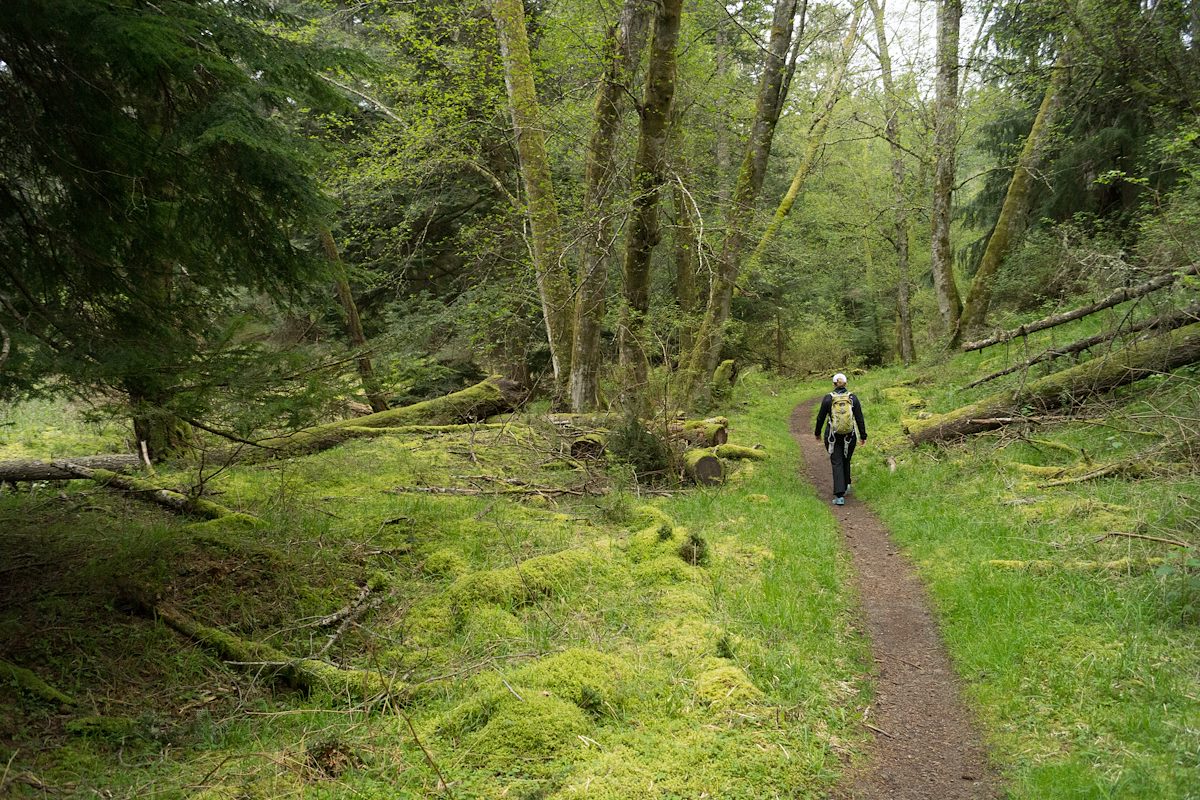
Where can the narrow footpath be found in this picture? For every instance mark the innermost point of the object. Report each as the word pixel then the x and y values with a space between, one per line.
pixel 925 743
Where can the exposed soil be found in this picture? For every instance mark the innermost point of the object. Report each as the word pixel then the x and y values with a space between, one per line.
pixel 925 743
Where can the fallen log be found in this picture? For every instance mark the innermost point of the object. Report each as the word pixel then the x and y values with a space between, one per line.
pixel 30 469
pixel 738 451
pixel 492 396
pixel 145 490
pixel 1116 298
pixel 588 446
pixel 1169 321
pixel 29 681
pixel 1065 388
pixel 306 674
pixel 703 467
pixel 701 432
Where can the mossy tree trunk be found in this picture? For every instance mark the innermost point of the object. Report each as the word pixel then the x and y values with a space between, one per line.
pixel 649 173
pixel 354 329
pixel 702 360
pixel 160 432
pixel 816 137
pixel 1015 208
pixel 486 398
pixel 553 280
pixel 945 147
pixel 623 43
pixel 1068 387
pixel 891 109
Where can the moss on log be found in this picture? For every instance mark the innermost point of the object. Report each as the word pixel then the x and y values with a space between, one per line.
pixel 29 469
pixel 28 681
pixel 701 432
pixel 476 403
pixel 703 467
pixel 737 451
pixel 1066 388
pixel 307 674
pixel 589 445
pixel 145 490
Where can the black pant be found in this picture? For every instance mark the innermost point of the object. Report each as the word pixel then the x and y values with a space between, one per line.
pixel 839 456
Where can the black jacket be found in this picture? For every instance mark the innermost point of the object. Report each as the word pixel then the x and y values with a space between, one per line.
pixel 827 406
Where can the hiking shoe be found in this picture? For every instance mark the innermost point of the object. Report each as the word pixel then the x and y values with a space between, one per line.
pixel 839 501
pixel 849 487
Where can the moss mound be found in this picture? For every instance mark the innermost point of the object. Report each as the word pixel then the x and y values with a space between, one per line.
pixel 535 729
pixel 535 577
pixel 446 563
pixel 725 685
pixel 491 624
pixel 588 678
pixel 687 638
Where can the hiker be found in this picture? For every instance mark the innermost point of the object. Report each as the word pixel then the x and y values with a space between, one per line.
pixel 843 412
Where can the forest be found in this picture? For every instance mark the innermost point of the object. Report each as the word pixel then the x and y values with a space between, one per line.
pixel 415 398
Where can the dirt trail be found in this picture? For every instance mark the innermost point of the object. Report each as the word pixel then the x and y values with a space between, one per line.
pixel 925 744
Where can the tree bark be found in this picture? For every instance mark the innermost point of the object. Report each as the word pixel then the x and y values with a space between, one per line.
pixel 29 469
pixel 945 146
pixel 492 396
pixel 900 211
pixel 1016 206
pixel 687 253
pixel 701 362
pixel 1116 298
pixel 354 330
pixel 624 42
pixel 553 280
pixel 649 171
pixel 1070 386
pixel 816 138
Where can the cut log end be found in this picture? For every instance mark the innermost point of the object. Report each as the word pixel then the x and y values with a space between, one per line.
pixel 703 467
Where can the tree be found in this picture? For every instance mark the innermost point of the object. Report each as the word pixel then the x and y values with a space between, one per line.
pixel 1016 206
pixel 624 43
pixel 699 364
pixel 649 169
pixel 150 187
pixel 945 145
pixel 899 236
pixel 553 278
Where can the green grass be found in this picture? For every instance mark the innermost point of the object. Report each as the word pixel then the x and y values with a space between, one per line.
pixel 607 667
pixel 1087 682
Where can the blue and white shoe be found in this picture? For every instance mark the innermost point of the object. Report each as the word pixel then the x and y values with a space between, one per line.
pixel 839 501
pixel 849 487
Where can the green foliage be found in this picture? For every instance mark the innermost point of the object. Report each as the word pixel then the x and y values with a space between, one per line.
pixel 645 452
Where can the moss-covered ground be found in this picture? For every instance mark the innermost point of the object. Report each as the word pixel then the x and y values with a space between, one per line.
pixel 539 639
pixel 549 636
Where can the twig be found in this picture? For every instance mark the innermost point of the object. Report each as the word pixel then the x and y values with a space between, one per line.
pixel 879 730
pixel 428 758
pixel 1148 538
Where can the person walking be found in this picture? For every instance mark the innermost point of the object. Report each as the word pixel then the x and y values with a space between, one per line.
pixel 840 414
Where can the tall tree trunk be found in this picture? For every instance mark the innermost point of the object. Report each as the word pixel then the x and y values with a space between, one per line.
pixel 1015 208
pixel 816 137
pixel 353 324
pixel 891 104
pixel 945 145
pixel 553 279
pixel 701 362
pixel 158 431
pixel 687 253
pixel 624 42
pixel 649 170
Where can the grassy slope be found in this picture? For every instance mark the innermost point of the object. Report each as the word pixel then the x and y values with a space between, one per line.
pixel 624 672
pixel 1088 682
